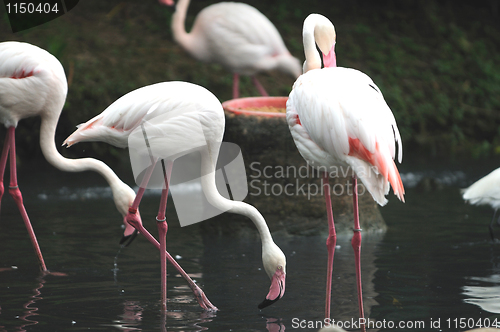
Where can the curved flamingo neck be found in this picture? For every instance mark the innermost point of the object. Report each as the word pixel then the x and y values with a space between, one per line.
pixel 313 59
pixel 178 25
pixel 47 132
pixel 224 204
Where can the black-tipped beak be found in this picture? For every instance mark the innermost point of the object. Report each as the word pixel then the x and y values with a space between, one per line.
pixel 127 240
pixel 267 303
pixel 277 289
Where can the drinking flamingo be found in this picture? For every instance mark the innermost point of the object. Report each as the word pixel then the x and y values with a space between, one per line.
pixel 183 118
pixel 32 82
pixel 236 36
pixel 485 191
pixel 339 118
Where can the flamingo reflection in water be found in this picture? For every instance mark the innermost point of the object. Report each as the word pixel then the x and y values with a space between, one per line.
pixel 29 310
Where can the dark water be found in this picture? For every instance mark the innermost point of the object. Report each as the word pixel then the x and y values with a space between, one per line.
pixel 434 264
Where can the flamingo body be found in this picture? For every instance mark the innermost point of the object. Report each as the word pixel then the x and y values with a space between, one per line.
pixel 236 36
pixel 240 38
pixel 338 117
pixel 485 191
pixel 176 113
pixel 171 108
pixel 33 83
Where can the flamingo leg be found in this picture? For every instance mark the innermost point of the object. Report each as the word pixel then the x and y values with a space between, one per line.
pixel 236 86
pixel 198 293
pixel 356 245
pixel 133 220
pixel 162 233
pixel 259 87
pixel 161 220
pixel 18 198
pixel 3 163
pixel 330 243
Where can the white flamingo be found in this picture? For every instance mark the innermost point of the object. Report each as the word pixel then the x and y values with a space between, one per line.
pixel 485 191
pixel 33 83
pixel 236 36
pixel 339 118
pixel 182 114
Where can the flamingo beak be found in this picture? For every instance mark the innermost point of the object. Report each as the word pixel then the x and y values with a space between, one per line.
pixel 330 60
pixel 127 239
pixel 277 289
pixel 129 234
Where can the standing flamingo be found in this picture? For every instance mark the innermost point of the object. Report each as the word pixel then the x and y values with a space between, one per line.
pixel 339 118
pixel 485 191
pixel 236 36
pixel 184 116
pixel 32 82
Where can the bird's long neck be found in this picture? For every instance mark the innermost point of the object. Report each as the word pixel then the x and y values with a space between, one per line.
pixel 47 144
pixel 224 204
pixel 313 59
pixel 178 25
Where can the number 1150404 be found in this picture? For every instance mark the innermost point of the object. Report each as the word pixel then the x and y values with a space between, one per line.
pixel 31 8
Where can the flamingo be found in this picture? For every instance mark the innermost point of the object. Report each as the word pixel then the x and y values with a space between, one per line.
pixel 236 36
pixel 33 82
pixel 339 118
pixel 485 191
pixel 176 110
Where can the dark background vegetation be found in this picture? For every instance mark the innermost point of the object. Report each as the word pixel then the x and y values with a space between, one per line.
pixel 437 63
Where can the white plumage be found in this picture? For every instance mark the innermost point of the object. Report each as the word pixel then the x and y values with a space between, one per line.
pixel 236 36
pixel 339 118
pixel 485 191
pixel 33 83
pixel 171 107
pixel 330 108
pixel 175 112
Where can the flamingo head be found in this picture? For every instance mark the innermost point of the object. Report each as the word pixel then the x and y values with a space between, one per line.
pixel 275 265
pixel 124 197
pixel 325 37
pixel 130 231
pixel 321 29
pixel 166 2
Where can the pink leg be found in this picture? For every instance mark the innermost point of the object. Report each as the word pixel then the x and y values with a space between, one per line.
pixel 3 163
pixel 162 233
pixel 18 198
pixel 259 86
pixel 133 220
pixel 330 243
pixel 356 245
pixel 236 86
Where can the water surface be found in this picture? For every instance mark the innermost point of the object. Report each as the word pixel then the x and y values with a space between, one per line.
pixel 435 263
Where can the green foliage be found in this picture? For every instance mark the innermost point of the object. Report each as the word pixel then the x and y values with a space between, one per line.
pixel 437 63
